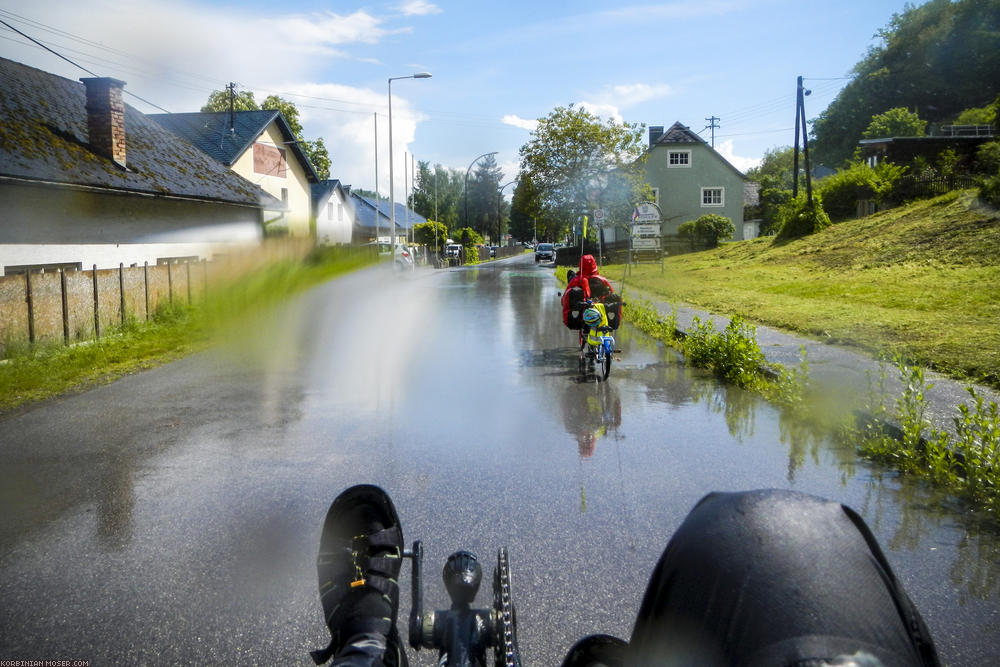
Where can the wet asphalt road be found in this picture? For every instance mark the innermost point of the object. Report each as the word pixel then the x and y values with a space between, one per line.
pixel 173 517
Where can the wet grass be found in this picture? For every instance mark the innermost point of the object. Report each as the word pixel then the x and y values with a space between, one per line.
pixel 921 281
pixel 35 372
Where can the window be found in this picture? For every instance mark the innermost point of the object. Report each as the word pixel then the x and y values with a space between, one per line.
pixel 284 196
pixel 656 196
pixel 679 159
pixel 269 160
pixel 340 212
pixel 713 197
pixel 329 210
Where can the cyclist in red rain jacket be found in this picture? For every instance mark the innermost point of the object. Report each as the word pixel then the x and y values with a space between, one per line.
pixel 593 284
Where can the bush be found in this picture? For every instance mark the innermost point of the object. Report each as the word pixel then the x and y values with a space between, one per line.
pixel 989 190
pixel 802 217
pixel 988 158
pixel 709 229
pixel 842 191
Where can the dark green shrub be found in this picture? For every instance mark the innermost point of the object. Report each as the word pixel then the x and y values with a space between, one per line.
pixel 708 230
pixel 989 190
pixel 842 191
pixel 802 217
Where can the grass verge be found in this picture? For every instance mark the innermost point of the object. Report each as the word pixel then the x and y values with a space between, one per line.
pixel 921 281
pixel 35 372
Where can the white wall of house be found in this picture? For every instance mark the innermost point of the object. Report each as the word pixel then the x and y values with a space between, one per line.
pixel 51 225
pixel 335 219
pixel 285 178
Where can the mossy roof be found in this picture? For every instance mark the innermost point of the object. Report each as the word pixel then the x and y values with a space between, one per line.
pixel 44 138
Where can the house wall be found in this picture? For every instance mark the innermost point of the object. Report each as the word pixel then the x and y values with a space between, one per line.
pixel 680 188
pixel 294 181
pixel 51 225
pixel 335 220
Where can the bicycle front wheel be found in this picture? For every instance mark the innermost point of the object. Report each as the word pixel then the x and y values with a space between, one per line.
pixel 606 366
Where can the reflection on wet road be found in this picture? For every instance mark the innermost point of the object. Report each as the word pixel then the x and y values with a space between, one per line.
pixel 174 515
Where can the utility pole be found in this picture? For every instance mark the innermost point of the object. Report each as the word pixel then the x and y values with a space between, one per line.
pixel 232 96
pixel 800 125
pixel 712 124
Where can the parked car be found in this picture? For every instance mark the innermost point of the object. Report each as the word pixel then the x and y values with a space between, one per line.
pixel 402 256
pixel 493 251
pixel 544 252
pixel 453 250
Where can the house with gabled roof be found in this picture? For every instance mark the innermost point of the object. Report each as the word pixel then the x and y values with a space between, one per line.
pixel 333 211
pixel 87 180
pixel 260 147
pixel 690 179
pixel 368 210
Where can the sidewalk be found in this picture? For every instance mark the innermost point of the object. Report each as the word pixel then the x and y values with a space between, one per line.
pixel 836 373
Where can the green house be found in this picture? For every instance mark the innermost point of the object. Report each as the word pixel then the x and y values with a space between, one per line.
pixel 689 179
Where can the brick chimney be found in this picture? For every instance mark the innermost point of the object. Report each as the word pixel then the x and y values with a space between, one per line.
pixel 106 117
pixel 655 132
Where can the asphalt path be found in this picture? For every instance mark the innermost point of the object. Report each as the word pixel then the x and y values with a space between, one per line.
pixel 173 516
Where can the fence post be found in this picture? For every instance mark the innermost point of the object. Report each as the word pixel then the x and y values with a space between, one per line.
pixel 121 288
pixel 145 276
pixel 97 308
pixel 31 306
pixel 170 283
pixel 188 268
pixel 65 306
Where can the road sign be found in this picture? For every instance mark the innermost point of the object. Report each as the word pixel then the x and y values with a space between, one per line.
pixel 598 216
pixel 646 213
pixel 645 230
pixel 646 244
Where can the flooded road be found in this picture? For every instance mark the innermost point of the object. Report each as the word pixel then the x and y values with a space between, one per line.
pixel 174 516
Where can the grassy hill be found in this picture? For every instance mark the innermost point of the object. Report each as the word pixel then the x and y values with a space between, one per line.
pixel 923 280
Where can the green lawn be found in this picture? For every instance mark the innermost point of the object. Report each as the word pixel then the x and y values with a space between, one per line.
pixel 923 280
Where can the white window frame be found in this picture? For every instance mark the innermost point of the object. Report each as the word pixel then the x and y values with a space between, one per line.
pixel 687 162
pixel 722 196
pixel 656 196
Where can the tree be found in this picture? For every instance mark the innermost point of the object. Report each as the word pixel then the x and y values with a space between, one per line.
pixel 482 197
pixel 896 122
pixel 437 194
pixel 708 229
pixel 938 59
pixel 578 162
pixel 427 233
pixel 524 209
pixel 243 100
pixel 778 164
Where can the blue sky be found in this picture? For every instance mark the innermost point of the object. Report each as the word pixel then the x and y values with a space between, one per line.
pixel 496 66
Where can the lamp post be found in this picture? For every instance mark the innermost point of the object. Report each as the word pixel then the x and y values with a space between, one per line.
pixel 499 204
pixel 467 183
pixel 392 194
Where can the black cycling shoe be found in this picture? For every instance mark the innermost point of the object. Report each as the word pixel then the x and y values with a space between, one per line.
pixel 360 555
pixel 597 651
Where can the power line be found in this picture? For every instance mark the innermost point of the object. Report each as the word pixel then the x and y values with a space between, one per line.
pixel 75 64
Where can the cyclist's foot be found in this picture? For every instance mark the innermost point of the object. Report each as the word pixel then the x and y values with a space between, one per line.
pixel 360 556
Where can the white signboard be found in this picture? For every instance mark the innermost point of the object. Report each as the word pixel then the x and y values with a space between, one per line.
pixel 646 213
pixel 645 230
pixel 599 216
pixel 646 244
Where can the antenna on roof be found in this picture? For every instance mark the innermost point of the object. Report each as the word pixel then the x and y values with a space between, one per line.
pixel 232 96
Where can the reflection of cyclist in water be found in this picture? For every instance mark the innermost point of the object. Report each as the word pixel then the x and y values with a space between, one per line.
pixel 763 578
pixel 589 411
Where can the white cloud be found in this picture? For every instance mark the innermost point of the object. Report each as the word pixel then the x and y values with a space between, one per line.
pixel 523 123
pixel 602 109
pixel 725 149
pixel 419 8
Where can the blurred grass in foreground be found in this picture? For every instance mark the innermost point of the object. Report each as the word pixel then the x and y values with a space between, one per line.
pixel 35 372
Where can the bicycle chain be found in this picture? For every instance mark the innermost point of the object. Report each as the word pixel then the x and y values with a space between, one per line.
pixel 505 649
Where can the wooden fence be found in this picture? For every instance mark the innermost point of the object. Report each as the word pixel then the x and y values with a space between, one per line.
pixel 72 306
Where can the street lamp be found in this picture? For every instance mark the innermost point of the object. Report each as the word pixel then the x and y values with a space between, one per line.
pixel 467 183
pixel 392 194
pixel 499 203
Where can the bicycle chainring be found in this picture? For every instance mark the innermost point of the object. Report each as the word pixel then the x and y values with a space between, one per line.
pixel 505 651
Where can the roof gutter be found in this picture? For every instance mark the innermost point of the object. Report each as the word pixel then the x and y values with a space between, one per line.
pixel 79 187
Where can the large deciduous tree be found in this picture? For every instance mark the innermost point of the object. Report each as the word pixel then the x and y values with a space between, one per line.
pixel 437 194
pixel 576 162
pixel 897 122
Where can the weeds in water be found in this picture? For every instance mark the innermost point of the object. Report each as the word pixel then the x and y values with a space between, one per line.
pixel 732 354
pixel 968 464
